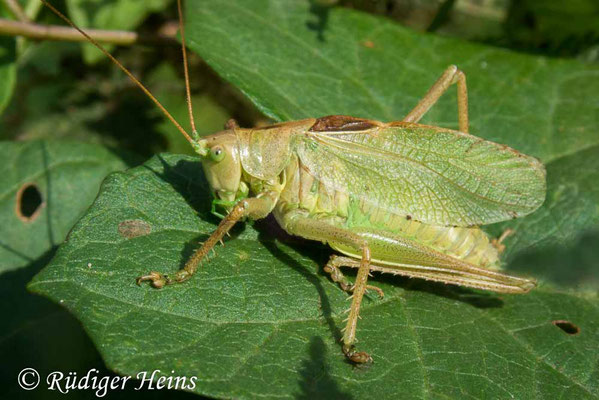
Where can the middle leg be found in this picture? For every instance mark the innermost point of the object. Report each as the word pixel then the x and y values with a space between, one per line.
pixel 333 269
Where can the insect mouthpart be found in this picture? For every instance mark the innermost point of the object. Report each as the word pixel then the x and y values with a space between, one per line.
pixel 200 147
pixel 225 195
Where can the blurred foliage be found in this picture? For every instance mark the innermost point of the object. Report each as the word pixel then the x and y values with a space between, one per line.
pixel 63 92
pixel 8 68
pixel 562 28
pixel 120 15
pixel 553 28
pixel 59 98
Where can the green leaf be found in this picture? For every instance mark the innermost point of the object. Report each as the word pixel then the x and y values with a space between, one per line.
pixel 118 15
pixel 261 319
pixel 45 188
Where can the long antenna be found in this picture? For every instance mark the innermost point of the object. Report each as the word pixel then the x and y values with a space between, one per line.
pixel 125 70
pixel 186 70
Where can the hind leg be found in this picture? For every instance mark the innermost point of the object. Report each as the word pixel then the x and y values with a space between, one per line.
pixel 300 223
pixel 452 75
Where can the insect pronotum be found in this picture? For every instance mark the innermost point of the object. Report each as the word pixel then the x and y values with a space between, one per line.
pixel 399 197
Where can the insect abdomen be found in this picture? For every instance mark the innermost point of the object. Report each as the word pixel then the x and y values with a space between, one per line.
pixel 469 244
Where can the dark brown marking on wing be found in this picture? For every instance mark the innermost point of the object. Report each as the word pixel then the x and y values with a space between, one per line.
pixel 335 123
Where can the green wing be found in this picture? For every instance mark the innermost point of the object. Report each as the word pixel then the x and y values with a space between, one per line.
pixel 434 175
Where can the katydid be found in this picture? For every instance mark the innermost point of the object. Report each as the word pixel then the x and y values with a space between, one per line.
pixel 399 197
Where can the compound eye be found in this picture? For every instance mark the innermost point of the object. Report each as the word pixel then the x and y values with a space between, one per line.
pixel 217 153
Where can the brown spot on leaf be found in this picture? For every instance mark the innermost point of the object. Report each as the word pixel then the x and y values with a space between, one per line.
pixel 133 228
pixel 29 202
pixel 408 217
pixel 368 43
pixel 335 123
pixel 567 326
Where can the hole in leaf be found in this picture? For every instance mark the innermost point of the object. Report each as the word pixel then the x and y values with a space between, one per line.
pixel 567 327
pixel 29 202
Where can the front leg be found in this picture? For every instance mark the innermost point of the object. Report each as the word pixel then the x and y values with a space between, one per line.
pixel 255 208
